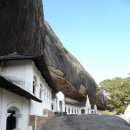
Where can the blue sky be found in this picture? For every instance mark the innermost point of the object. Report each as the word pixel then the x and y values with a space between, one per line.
pixel 96 32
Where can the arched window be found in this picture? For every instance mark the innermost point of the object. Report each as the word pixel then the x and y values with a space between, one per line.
pixel 60 105
pixel 52 107
pixel 45 93
pixel 82 111
pixel 34 84
pixel 33 88
pixel 40 93
pixel 65 109
pixel 68 110
pixel 12 121
pixel 47 97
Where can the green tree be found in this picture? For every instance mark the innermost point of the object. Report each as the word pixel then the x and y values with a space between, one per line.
pixel 118 93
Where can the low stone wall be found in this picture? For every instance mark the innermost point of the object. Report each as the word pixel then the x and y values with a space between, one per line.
pixel 38 122
pixel 50 114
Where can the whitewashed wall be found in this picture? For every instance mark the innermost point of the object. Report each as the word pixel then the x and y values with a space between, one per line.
pixel 19 71
pixel 127 114
pixel 37 108
pixel 7 100
pixel 72 109
pixel 23 72
pixel 56 102
pixel 69 108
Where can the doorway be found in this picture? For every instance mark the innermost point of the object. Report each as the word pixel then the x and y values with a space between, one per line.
pixel 11 119
pixel 60 105
pixel 82 111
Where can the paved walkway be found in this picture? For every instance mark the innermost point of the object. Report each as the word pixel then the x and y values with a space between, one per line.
pixel 87 122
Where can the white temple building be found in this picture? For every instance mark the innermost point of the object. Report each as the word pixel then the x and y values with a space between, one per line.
pixel 26 98
pixel 69 106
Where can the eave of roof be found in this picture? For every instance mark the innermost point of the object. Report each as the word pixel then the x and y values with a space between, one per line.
pixel 15 56
pixel 81 104
pixel 16 89
pixel 39 62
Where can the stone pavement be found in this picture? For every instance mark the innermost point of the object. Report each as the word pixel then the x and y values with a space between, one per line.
pixel 87 122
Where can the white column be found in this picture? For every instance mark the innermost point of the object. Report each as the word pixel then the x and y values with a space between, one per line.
pixel 95 108
pixel 3 119
pixel 18 121
pixel 56 105
pixel 67 110
pixel 0 121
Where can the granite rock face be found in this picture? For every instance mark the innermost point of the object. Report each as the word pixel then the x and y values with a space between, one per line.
pixel 21 27
pixel 67 73
pixel 23 30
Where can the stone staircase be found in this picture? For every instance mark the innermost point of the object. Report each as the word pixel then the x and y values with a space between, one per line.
pixel 87 122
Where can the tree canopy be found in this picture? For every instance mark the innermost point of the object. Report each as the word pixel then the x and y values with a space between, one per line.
pixel 118 93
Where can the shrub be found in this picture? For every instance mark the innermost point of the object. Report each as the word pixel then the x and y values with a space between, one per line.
pixel 106 112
